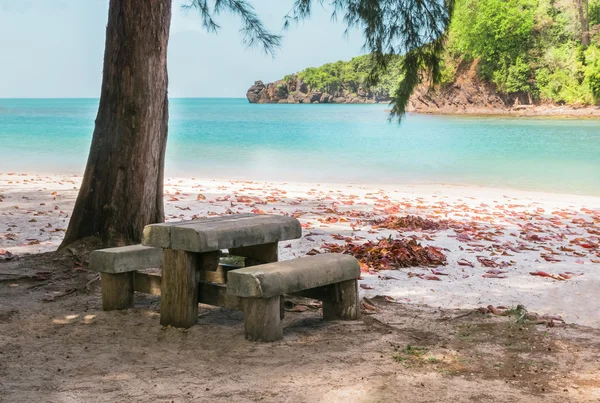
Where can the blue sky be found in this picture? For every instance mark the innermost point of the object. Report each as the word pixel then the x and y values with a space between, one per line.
pixel 54 48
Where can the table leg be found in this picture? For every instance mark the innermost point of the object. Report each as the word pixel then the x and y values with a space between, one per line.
pixel 179 286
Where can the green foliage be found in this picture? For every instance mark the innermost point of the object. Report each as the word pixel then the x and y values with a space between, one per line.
pixel 561 77
pixel 517 77
pixel 594 12
pixel 592 70
pixel 290 78
pixel 499 34
pixel 521 46
pixel 526 46
pixel 449 66
pixel 352 76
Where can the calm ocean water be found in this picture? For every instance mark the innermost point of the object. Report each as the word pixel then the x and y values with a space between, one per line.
pixel 229 138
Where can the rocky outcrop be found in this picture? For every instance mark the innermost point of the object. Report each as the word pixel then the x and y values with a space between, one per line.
pixel 297 92
pixel 467 95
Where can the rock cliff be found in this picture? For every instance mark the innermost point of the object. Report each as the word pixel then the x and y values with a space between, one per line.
pixel 297 92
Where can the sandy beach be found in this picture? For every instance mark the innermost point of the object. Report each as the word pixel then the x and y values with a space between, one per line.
pixel 492 239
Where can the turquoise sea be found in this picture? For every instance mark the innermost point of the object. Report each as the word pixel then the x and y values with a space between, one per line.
pixel 230 138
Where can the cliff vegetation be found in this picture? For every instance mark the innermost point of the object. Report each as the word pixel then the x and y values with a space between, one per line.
pixel 499 54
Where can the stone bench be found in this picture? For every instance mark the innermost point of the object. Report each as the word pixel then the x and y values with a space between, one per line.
pixel 118 273
pixel 188 254
pixel 331 278
pixel 256 290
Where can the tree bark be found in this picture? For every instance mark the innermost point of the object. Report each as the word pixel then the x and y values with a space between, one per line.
pixel 122 188
pixel 584 21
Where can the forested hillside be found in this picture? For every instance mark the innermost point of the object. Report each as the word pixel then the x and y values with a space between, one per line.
pixel 498 53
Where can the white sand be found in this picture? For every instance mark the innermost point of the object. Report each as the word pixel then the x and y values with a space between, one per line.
pixel 35 209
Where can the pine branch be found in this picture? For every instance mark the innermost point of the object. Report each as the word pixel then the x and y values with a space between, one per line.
pixel 253 31
pixel 416 29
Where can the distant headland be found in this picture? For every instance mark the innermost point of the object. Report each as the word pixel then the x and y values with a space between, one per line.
pixel 524 58
pixel 467 94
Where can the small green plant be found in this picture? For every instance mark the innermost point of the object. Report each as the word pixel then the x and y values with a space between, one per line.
pixel 432 360
pixel 412 355
pixel 416 351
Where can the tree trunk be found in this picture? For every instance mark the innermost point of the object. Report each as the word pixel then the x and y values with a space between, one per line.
pixel 122 188
pixel 584 21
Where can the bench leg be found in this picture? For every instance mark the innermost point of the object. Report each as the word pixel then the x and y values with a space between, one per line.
pixel 343 302
pixel 262 319
pixel 179 288
pixel 117 290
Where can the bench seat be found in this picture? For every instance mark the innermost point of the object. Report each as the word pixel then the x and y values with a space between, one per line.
pixel 118 268
pixel 331 278
pixel 289 276
pixel 125 259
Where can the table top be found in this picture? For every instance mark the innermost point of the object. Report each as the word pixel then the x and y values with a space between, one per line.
pixel 222 232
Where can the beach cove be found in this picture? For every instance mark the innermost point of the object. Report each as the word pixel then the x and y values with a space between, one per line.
pixel 521 196
pixel 495 214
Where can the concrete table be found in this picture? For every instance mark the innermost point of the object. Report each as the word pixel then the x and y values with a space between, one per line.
pixel 190 261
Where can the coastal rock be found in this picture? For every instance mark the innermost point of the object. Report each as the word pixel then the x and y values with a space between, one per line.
pixel 315 96
pixel 253 92
pixel 299 96
pixel 301 86
pixel 294 91
pixel 277 91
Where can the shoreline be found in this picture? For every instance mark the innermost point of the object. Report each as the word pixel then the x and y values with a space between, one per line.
pixel 417 185
pixel 538 111
pixel 525 111
pixel 518 231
